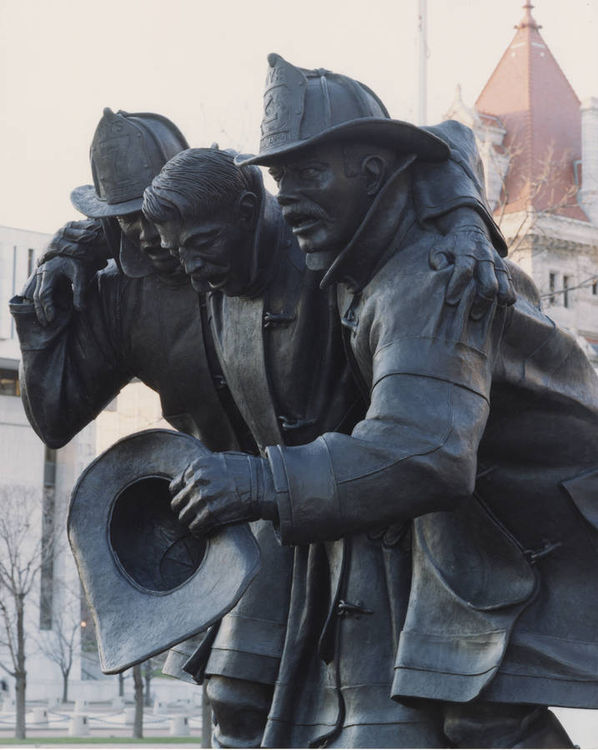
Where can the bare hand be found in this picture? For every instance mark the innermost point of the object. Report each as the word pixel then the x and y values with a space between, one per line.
pixel 474 261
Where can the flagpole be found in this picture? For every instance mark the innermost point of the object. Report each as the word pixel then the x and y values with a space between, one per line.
pixel 422 109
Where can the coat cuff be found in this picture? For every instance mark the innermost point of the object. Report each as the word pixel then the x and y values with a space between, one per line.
pixel 32 335
pixel 308 505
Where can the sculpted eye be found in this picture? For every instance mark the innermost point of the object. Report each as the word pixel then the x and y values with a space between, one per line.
pixel 309 173
pixel 275 173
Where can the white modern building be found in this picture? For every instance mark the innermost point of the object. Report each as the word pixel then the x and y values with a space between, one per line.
pixel 28 467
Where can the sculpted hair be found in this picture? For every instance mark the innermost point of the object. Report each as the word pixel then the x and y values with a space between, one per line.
pixel 196 180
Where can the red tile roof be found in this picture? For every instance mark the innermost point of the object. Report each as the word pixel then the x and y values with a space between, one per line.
pixel 535 102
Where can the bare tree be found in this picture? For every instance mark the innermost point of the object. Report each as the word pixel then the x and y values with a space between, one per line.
pixel 151 668
pixel 121 684
pixel 138 720
pixel 60 644
pixel 22 555
pixel 147 679
pixel 546 188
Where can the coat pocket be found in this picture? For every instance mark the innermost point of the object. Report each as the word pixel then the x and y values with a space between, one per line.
pixel 475 557
pixel 583 490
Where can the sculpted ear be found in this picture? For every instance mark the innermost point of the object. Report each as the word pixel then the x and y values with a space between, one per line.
pixel 248 207
pixel 376 168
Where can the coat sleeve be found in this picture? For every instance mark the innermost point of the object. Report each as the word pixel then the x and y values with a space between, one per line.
pixel 416 450
pixel 72 368
pixel 455 183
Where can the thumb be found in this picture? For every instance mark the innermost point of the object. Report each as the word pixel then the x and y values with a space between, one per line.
pixel 442 254
pixel 439 259
pixel 79 282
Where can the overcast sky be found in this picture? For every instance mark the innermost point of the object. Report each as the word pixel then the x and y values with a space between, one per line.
pixel 203 64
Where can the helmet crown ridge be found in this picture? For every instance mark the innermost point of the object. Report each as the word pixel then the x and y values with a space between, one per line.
pixel 304 107
pixel 127 152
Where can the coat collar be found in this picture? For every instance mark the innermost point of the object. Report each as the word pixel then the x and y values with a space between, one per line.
pixel 266 240
pixel 378 237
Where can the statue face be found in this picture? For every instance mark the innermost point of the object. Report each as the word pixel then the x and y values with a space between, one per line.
pixel 143 233
pixel 321 203
pixel 214 250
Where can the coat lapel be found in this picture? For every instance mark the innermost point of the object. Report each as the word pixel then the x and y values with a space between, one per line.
pixel 237 325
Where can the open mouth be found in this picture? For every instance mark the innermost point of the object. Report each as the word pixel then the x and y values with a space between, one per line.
pixel 160 257
pixel 301 223
pixel 213 274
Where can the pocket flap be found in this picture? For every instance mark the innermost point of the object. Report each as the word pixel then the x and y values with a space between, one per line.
pixel 474 557
pixel 583 490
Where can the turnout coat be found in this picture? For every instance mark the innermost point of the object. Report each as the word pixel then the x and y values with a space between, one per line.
pixel 485 433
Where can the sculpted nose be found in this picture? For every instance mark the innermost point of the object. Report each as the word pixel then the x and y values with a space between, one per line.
pixel 182 255
pixel 287 190
pixel 190 261
pixel 149 233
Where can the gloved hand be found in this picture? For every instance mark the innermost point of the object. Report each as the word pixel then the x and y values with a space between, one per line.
pixel 223 488
pixel 478 269
pixel 82 240
pixel 76 252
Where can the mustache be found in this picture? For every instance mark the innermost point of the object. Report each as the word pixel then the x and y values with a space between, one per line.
pixel 302 211
pixel 207 268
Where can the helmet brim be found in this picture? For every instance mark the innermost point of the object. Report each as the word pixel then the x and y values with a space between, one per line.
pixel 396 134
pixel 137 575
pixel 85 199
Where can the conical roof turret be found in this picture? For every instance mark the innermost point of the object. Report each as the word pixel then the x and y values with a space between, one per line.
pixel 539 109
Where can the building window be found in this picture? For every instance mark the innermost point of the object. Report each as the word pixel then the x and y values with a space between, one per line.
pixel 551 286
pixel 566 286
pixel 9 383
pixel 30 261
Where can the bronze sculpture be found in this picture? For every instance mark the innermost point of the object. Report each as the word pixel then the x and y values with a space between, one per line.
pixel 468 432
pixel 140 351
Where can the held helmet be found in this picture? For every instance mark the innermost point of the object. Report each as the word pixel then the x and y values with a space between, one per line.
pixel 149 582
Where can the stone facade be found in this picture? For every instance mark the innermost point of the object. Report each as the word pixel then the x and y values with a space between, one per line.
pixel 539 146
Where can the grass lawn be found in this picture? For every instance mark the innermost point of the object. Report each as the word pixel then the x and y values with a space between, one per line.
pixel 100 741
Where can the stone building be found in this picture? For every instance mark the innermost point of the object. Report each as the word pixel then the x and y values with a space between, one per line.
pixel 539 145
